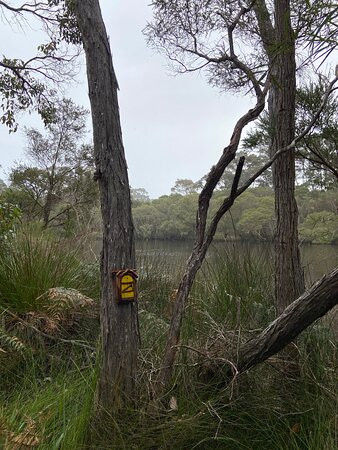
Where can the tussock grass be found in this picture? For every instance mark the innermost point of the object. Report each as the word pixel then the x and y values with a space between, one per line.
pixel 58 408
pixel 34 262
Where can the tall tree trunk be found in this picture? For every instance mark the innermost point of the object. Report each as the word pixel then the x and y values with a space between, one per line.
pixel 119 322
pixel 289 279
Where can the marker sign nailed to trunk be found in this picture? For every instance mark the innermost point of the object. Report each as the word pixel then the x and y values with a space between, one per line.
pixel 125 282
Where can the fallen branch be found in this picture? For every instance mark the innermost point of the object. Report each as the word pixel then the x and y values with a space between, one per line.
pixel 313 304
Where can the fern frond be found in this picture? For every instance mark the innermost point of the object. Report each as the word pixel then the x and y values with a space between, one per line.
pixel 12 343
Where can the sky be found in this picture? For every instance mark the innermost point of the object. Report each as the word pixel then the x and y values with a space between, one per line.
pixel 174 126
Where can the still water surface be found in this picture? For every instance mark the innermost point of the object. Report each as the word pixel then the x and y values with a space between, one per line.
pixel 316 259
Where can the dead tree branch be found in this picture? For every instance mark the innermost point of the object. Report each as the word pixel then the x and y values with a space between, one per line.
pixel 201 241
pixel 313 304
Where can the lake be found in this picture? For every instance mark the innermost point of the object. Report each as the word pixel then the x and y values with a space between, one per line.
pixel 316 259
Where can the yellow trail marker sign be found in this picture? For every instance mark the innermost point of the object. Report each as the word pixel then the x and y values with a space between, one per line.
pixel 125 283
pixel 127 287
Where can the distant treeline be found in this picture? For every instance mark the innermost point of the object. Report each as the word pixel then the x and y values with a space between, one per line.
pixel 251 217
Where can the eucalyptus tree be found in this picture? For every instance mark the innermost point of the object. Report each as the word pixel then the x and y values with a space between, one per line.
pixel 54 160
pixel 244 46
pixel 209 35
pixel 119 322
pixel 316 154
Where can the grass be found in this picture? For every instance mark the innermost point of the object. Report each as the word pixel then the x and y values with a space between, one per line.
pixel 35 262
pixel 49 411
pixel 49 395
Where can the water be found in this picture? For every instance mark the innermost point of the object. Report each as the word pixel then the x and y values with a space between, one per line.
pixel 316 259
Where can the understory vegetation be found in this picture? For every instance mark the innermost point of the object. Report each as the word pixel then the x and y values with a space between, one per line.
pixel 49 335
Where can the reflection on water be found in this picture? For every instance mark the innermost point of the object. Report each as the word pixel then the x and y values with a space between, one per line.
pixel 316 259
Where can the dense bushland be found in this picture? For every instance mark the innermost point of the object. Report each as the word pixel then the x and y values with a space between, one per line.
pixel 251 217
pixel 173 216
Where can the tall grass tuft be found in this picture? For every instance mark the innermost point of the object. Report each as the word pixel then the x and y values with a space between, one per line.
pixel 239 284
pixel 49 413
pixel 34 262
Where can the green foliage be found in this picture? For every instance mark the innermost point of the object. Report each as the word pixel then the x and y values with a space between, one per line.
pixel 53 412
pixel 320 228
pixel 20 90
pixel 31 84
pixel 318 149
pixel 139 195
pixel 58 188
pixel 184 186
pixel 35 262
pixel 316 153
pixel 258 220
pixel 169 217
pixel 251 217
pixel 9 217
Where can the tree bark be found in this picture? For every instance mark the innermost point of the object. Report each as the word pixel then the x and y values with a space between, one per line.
pixel 312 305
pixel 119 322
pixel 279 44
pixel 289 279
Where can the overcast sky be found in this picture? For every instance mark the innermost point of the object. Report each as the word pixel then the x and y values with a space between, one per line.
pixel 173 126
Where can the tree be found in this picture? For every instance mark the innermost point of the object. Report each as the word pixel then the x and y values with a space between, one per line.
pixel 289 277
pixel 253 161
pixel 316 156
pixel 2 186
pixel 184 186
pixel 201 34
pixel 139 195
pixel 318 150
pixel 206 35
pixel 59 159
pixel 30 84
pixel 9 216
pixel 119 322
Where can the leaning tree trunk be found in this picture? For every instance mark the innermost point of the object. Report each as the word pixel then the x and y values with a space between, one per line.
pixel 119 322
pixel 309 307
pixel 203 239
pixel 300 314
pixel 289 279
